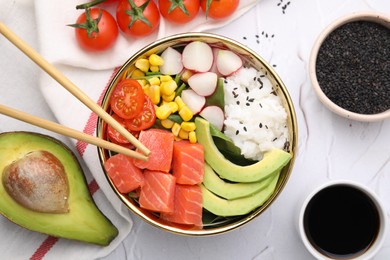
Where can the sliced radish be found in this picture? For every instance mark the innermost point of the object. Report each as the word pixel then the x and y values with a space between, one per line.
pixel 203 83
pixel 214 65
pixel 194 102
pixel 172 62
pixel 214 115
pixel 228 62
pixel 197 56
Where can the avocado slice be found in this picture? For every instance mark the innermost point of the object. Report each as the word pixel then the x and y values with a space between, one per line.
pixel 81 221
pixel 230 190
pixel 240 206
pixel 273 160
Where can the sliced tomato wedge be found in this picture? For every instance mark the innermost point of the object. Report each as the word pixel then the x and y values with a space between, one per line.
pixel 116 137
pixel 145 119
pixel 127 99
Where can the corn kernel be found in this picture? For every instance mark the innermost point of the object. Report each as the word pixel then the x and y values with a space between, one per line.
pixel 169 98
pixel 156 60
pixel 143 82
pixel 137 73
pixel 146 89
pixel 186 75
pixel 154 94
pixel 167 123
pixel 183 134
pixel 188 126
pixel 174 107
pixel 142 64
pixel 179 102
pixel 154 81
pixel 165 78
pixel 154 69
pixel 186 113
pixel 192 137
pixel 168 87
pixel 175 129
pixel 163 112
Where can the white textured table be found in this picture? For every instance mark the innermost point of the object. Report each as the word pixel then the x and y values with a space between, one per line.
pixel 329 147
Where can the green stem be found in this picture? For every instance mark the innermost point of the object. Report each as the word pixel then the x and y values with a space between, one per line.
pixel 90 4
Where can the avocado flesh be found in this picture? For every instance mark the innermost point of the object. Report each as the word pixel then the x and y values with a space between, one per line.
pixel 229 190
pixel 240 206
pixel 83 222
pixel 272 162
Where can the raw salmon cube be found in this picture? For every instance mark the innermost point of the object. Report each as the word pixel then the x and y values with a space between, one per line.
pixel 188 162
pixel 187 206
pixel 123 173
pixel 160 144
pixel 157 193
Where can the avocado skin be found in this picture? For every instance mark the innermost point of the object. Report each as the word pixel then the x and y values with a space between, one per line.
pixel 272 162
pixel 84 221
pixel 240 206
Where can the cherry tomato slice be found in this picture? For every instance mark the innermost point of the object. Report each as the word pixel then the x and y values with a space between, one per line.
pixel 127 99
pixel 115 137
pixel 145 119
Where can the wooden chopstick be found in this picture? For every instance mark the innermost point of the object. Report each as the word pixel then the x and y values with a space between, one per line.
pixel 71 87
pixel 63 130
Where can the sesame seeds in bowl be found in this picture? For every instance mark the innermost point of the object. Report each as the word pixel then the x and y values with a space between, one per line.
pixel 350 66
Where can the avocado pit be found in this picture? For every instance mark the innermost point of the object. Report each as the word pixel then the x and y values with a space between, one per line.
pixel 38 181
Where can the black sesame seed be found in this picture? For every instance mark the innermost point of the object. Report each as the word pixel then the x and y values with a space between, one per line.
pixel 244 38
pixel 247 104
pixel 266 126
pixel 274 139
pixel 244 128
pixel 246 89
pixel 260 125
pixel 237 132
pixel 353 67
pixel 238 102
pixel 260 105
pixel 251 99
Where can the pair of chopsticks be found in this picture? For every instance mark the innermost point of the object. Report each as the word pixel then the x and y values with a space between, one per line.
pixel 75 91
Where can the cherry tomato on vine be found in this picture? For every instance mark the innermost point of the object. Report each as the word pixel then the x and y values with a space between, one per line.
pixel 145 119
pixel 127 99
pixel 137 17
pixel 219 9
pixel 179 11
pixel 96 30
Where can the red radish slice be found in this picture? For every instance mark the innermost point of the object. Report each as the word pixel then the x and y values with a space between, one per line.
pixel 194 102
pixel 214 66
pixel 214 115
pixel 203 83
pixel 228 62
pixel 197 56
pixel 172 62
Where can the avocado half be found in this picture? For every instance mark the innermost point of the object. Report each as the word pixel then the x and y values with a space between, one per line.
pixel 83 221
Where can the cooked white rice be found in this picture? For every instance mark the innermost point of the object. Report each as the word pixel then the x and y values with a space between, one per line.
pixel 255 119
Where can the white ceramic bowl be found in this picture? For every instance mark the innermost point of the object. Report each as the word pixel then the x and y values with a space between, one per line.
pixel 360 16
pixel 381 236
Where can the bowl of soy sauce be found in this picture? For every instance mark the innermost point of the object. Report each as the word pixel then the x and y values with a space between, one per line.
pixel 342 220
pixel 349 66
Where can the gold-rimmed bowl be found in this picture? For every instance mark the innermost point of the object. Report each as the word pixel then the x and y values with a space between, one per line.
pixel 374 17
pixel 250 59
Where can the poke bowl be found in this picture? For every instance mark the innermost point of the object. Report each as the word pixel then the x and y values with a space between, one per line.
pixel 223 139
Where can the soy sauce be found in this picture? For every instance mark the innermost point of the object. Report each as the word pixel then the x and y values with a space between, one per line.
pixel 341 222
